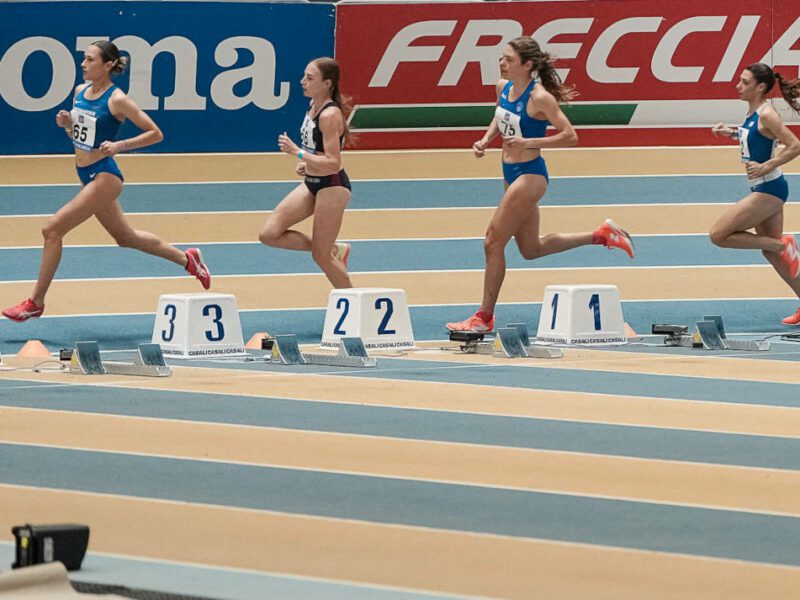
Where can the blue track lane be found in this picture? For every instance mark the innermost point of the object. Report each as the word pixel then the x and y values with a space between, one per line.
pixel 441 426
pixel 22 200
pixel 627 524
pixel 371 257
pixel 125 331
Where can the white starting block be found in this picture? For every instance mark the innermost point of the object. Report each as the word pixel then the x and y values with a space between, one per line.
pixel 378 316
pixel 581 314
pixel 352 353
pixel 199 325
pixel 148 362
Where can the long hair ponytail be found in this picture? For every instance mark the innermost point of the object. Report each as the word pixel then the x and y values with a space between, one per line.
pixel 329 69
pixel 529 50
pixel 790 89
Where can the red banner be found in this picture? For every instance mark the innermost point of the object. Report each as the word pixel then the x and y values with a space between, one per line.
pixel 611 50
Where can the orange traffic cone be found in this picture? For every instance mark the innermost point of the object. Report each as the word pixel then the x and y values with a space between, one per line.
pixel 34 349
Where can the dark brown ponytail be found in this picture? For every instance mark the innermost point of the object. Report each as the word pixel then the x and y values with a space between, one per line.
pixel 528 49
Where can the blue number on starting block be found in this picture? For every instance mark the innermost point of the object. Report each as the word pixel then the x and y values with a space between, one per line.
pixel 594 303
pixel 343 303
pixel 210 336
pixel 171 312
pixel 386 316
pixel 555 311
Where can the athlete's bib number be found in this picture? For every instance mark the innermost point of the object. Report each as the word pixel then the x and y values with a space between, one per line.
pixel 508 123
pixel 307 134
pixel 743 132
pixel 84 129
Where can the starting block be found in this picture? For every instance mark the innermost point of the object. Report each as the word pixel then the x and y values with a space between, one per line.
pixel 352 353
pixel 379 316
pixel 581 314
pixel 198 325
pixel 710 334
pixel 148 362
pixel 511 341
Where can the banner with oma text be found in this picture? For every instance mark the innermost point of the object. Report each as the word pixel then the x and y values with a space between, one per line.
pixel 214 76
pixel 648 72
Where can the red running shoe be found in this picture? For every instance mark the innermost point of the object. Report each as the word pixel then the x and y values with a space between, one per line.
pixel 790 256
pixel 615 237
pixel 475 324
pixel 23 311
pixel 341 252
pixel 195 266
pixel 792 319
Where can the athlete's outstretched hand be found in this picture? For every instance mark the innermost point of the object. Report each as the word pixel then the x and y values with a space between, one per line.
pixel 286 144
pixel 109 148
pixel 755 170
pixel 722 129
pixel 479 148
pixel 515 143
pixel 63 119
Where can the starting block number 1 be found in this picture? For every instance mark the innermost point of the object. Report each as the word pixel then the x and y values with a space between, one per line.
pixel 594 304
pixel 581 314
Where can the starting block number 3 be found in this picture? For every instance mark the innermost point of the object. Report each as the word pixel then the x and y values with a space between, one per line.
pixel 214 311
pixel 379 316
pixel 198 325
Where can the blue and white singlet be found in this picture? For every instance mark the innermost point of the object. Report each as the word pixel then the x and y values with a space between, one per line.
pixel 92 121
pixel 512 117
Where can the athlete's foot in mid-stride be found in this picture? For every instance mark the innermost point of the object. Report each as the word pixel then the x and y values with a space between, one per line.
pixel 611 235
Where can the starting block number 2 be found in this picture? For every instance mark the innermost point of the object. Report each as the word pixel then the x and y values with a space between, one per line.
pixel 379 316
pixel 213 311
pixel 384 304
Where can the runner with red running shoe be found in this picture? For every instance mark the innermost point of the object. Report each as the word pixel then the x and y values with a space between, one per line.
pixel 326 190
pixel 99 109
pixel 525 107
pixel 762 209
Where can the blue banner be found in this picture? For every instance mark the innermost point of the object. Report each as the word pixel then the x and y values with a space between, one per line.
pixel 215 77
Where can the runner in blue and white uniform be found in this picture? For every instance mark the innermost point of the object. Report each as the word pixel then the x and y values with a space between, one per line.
pixel 326 190
pixel 528 97
pixel 762 208
pixel 99 109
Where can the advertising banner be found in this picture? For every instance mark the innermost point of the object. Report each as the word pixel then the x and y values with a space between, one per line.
pixel 214 76
pixel 647 71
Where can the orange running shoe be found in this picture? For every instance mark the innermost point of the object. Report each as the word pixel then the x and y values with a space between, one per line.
pixel 341 252
pixel 195 266
pixel 23 311
pixel 615 237
pixel 475 324
pixel 792 319
pixel 790 256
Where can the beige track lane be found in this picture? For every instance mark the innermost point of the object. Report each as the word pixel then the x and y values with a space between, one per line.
pixel 390 224
pixel 454 397
pixel 737 488
pixel 17 170
pixel 112 296
pixel 424 559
